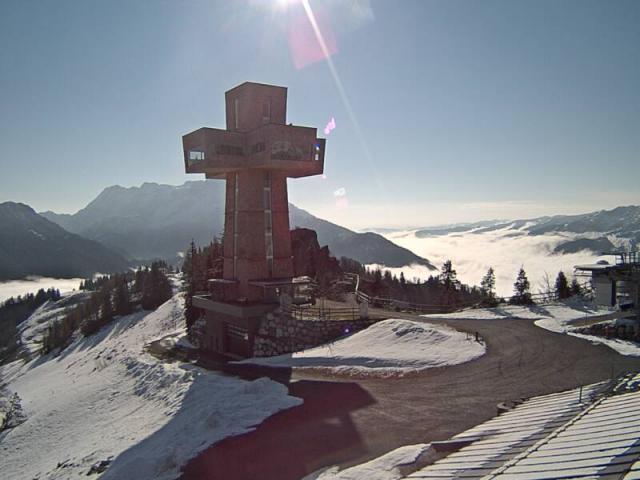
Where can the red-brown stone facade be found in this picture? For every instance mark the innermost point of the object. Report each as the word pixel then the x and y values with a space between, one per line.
pixel 255 155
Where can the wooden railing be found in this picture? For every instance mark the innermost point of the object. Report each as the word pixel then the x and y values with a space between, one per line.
pixel 320 313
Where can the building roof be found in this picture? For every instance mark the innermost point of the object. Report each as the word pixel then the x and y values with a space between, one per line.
pixel 596 267
pixel 593 432
pixel 259 84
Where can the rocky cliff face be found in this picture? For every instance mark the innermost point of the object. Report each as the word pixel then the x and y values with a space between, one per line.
pixel 309 259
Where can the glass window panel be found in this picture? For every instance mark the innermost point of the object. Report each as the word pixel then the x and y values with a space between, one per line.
pixel 196 155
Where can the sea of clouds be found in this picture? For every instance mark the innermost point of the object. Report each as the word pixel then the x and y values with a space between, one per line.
pixel 505 250
pixel 13 288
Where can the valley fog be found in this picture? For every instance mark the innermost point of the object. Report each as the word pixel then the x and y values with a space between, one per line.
pixel 505 250
pixel 13 288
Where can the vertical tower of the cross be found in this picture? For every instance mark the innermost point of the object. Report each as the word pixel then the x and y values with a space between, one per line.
pixel 255 155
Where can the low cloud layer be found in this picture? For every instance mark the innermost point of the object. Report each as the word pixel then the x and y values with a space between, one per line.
pixel 14 288
pixel 505 250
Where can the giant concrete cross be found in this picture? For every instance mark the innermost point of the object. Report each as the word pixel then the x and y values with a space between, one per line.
pixel 255 155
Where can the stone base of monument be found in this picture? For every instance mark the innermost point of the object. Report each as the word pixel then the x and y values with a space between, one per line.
pixel 280 333
pixel 242 330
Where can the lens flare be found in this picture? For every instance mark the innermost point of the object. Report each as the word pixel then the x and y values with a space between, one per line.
pixel 343 94
pixel 331 125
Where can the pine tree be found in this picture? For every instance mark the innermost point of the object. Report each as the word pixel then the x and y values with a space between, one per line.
pixel 190 312
pixel 122 301
pixel 164 288
pixel 139 278
pixel 377 287
pixel 156 288
pixel 488 285
pixel 522 293
pixel 576 288
pixel 562 286
pixel 106 306
pixel 40 297
pixel 448 276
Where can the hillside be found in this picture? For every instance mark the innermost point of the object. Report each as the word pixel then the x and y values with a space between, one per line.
pixel 150 221
pixel 104 401
pixel 159 221
pixel 32 245
pixel 367 247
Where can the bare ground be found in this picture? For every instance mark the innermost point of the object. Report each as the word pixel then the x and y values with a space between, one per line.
pixel 349 421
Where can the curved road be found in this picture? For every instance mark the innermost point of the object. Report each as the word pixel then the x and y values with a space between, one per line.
pixel 348 421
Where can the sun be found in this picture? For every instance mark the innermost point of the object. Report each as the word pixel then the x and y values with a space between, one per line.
pixel 284 4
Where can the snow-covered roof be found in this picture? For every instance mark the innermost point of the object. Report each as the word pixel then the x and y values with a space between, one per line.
pixel 588 433
pixel 593 267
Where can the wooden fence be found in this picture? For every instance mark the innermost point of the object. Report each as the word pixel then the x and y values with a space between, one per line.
pixel 396 304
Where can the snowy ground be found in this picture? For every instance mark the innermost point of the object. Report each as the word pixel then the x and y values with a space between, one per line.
pixel 33 328
pixel 390 347
pixel 557 317
pixel 103 397
pixel 391 466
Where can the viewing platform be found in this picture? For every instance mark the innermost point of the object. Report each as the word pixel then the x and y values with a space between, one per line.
pixel 292 149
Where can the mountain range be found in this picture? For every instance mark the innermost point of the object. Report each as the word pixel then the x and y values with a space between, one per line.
pixel 602 231
pixel 122 226
pixel 159 221
pixel 33 245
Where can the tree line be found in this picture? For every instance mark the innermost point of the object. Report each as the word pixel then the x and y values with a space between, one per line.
pixel 445 290
pixel 111 296
pixel 200 264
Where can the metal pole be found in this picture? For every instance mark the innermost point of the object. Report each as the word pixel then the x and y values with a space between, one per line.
pixel 580 399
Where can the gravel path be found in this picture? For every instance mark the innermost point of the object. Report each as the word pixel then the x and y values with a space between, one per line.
pixel 348 421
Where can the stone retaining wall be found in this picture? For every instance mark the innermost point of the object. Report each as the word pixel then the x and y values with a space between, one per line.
pixel 279 333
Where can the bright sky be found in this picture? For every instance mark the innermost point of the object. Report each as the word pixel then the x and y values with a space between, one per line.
pixel 445 111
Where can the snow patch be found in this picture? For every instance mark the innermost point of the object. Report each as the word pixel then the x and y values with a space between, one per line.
pixel 34 327
pixel 391 466
pixel 389 347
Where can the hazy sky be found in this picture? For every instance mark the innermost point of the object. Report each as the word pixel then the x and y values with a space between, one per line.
pixel 448 111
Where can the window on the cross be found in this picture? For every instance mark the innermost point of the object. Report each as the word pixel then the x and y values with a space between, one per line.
pixel 195 156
